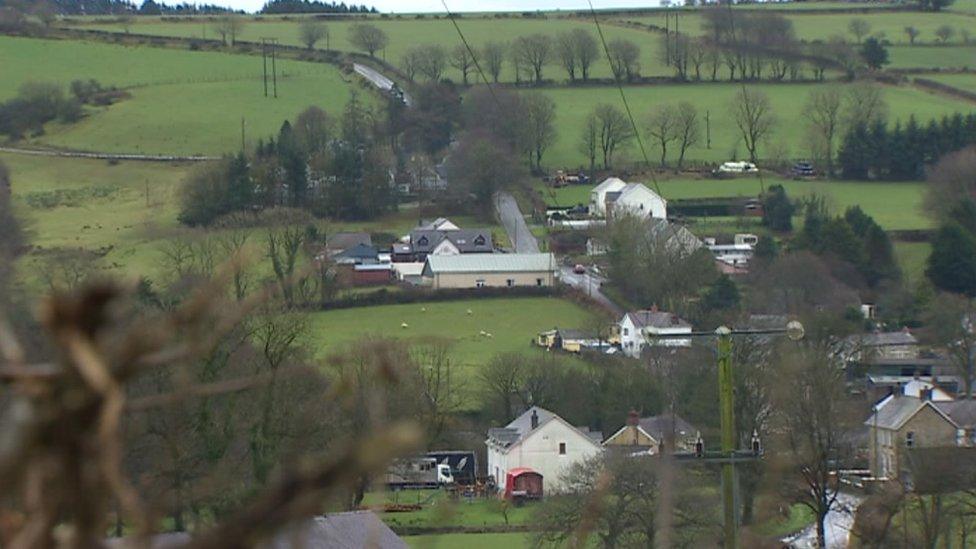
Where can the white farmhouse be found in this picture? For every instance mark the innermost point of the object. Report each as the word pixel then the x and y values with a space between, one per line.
pixel 598 196
pixel 636 199
pixel 635 328
pixel 542 441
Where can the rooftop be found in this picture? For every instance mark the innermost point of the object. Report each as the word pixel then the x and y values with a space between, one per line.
pixel 657 319
pixel 499 263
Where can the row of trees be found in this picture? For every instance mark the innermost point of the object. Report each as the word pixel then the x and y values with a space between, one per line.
pixel 337 169
pixel 313 6
pixel 575 51
pixel 38 103
pixel 874 150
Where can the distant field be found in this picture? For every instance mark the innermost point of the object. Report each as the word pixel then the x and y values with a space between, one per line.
pixel 469 541
pixel 810 25
pixel 929 57
pixel 912 257
pixel 137 212
pixel 182 102
pixel 574 105
pixel 965 82
pixel 893 205
pixel 512 324
pixel 409 31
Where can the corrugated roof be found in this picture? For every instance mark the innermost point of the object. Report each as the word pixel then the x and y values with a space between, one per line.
pixel 499 263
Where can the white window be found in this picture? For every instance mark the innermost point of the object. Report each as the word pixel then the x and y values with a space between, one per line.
pixel 480 283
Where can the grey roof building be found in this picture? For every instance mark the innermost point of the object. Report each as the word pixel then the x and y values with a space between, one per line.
pixel 657 319
pixel 532 419
pixel 467 241
pixel 345 240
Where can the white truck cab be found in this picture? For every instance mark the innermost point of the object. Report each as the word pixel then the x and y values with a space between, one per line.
pixel 444 474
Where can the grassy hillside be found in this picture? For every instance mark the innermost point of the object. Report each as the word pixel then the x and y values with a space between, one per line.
pixel 182 102
pixel 573 106
pixel 409 31
pixel 947 57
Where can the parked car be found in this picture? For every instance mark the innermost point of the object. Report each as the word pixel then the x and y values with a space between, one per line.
pixel 735 168
pixel 803 169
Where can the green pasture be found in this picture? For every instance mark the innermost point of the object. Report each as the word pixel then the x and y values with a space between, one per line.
pixel 787 141
pixel 511 323
pixel 409 31
pixel 182 102
pixel 124 210
pixel 440 510
pixel 893 205
pixel 912 256
pixel 965 82
pixel 932 57
pixel 811 25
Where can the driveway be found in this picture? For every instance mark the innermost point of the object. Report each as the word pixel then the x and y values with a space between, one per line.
pixel 523 241
pixel 379 80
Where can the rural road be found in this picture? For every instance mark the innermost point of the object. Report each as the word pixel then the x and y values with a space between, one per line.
pixel 589 283
pixel 108 156
pixel 523 241
pixel 379 80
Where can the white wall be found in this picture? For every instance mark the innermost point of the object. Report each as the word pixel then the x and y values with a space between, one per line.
pixel 540 452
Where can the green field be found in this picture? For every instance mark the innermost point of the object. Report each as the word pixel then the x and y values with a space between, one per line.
pixel 965 82
pixel 929 57
pixel 912 257
pixel 469 541
pixel 574 105
pixel 810 25
pixel 408 31
pixel 182 102
pixel 511 323
pixel 893 205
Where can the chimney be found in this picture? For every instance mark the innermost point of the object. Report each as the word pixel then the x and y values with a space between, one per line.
pixel 654 308
pixel 535 419
pixel 926 394
pixel 633 418
pixel 674 320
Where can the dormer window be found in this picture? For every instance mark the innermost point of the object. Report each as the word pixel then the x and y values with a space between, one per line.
pixel 423 241
pixel 479 241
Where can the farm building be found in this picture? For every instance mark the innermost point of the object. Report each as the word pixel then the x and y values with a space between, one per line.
pixel 571 341
pixel 489 270
pixel 542 441
pixel 648 434
pixel 615 195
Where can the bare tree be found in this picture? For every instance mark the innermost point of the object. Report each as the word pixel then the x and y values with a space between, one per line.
pixel 662 127
pixel 864 104
pixel 493 54
pixel 951 324
pixel 566 53
pixel 912 32
pixel 535 51
pixel 590 140
pixel 499 383
pixel 229 26
pixel 624 59
pixel 368 38
pixel 859 28
pixel 433 61
pixel 541 125
pixel 587 51
pixel 822 112
pixel 754 117
pixel 951 184
pixel 945 33
pixel 614 131
pixel 311 31
pixel 441 388
pixel 461 60
pixel 813 411
pixel 410 62
pixel 688 128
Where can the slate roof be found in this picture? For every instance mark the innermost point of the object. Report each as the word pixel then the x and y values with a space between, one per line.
pixel 881 339
pixel 574 334
pixel 433 225
pixel 466 240
pixel 661 426
pixel 359 251
pixel 345 240
pixel 521 426
pixel 482 263
pixel 351 530
pixel 677 237
pixel 657 319
pixel 961 412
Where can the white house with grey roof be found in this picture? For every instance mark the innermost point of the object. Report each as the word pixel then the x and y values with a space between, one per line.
pixel 542 441
pixel 615 196
pixel 640 329
pixel 489 270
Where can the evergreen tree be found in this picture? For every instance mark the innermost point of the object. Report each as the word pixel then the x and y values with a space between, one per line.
pixel 874 53
pixel 854 152
pixel 952 264
pixel 777 209
pixel 722 294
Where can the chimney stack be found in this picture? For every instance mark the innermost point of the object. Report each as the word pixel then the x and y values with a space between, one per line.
pixel 633 418
pixel 535 419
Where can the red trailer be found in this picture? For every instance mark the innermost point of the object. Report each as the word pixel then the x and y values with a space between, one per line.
pixel 523 484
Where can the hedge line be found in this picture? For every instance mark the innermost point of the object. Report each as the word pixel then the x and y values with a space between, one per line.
pixel 384 296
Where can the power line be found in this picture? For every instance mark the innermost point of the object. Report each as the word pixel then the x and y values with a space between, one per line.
pixel 474 57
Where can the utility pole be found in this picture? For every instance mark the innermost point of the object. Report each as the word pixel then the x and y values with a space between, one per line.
pixel 727 413
pixel 264 62
pixel 708 131
pixel 243 146
pixel 274 69
pixel 667 34
pixel 270 45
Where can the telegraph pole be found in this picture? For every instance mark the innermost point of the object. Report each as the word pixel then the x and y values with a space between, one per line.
pixel 708 131
pixel 243 146
pixel 264 62
pixel 270 45
pixel 274 69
